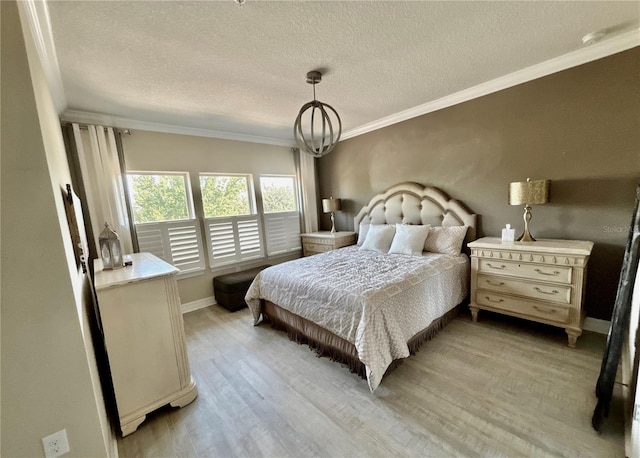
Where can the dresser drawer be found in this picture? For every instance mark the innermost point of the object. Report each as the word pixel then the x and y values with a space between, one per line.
pixel 318 241
pixel 549 273
pixel 555 293
pixel 317 247
pixel 523 307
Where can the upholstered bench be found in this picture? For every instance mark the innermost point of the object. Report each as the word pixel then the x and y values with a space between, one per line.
pixel 230 289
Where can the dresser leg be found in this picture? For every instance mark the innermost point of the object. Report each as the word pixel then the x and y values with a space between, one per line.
pixel 573 336
pixel 186 395
pixel 132 425
pixel 474 314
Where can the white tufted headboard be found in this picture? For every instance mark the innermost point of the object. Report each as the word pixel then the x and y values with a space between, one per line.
pixel 412 203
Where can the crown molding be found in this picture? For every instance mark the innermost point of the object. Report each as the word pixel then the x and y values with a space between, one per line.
pixel 573 59
pixel 85 117
pixel 36 16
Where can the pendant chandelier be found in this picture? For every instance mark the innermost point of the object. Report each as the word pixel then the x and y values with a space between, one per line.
pixel 318 126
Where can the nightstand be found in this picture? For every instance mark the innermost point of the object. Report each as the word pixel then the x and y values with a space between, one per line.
pixel 319 242
pixel 541 281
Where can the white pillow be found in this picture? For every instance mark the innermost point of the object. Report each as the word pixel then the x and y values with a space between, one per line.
pixel 445 240
pixel 362 232
pixel 409 239
pixel 379 238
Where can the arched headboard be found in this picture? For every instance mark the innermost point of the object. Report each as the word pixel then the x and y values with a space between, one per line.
pixel 413 203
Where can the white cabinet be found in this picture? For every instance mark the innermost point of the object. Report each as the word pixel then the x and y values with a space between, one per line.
pixel 144 337
pixel 540 281
pixel 319 242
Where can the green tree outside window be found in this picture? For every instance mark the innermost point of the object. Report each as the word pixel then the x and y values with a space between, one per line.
pixel 224 195
pixel 158 197
pixel 278 194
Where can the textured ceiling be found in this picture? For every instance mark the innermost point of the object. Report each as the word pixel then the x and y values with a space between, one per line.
pixel 241 69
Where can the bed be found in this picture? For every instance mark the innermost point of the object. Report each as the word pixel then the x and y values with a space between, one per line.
pixel 371 307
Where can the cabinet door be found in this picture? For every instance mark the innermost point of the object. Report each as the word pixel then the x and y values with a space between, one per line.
pixel 140 344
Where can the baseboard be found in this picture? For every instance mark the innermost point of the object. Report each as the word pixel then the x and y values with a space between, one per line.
pixel 199 304
pixel 596 325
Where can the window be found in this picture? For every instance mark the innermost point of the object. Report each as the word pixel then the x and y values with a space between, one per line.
pixel 281 216
pixel 159 197
pixel 225 195
pixel 164 219
pixel 232 226
pixel 278 194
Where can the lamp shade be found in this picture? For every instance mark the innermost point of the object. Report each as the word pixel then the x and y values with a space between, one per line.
pixel 331 205
pixel 529 192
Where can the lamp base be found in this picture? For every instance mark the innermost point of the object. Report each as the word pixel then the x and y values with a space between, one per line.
pixel 526 235
pixel 333 224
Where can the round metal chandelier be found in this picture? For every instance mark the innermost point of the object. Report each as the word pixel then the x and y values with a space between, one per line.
pixel 322 125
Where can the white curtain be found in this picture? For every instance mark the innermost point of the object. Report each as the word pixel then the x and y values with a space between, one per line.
pixel 306 169
pixel 102 178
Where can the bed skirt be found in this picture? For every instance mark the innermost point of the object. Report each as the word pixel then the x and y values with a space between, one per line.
pixel 326 343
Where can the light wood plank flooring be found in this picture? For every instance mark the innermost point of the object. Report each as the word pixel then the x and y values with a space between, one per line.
pixel 499 387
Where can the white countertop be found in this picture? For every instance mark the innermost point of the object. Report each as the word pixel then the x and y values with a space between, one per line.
pixel 328 234
pixel 579 247
pixel 145 266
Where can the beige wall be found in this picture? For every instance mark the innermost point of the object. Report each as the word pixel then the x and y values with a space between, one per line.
pixel 154 151
pixel 579 128
pixel 49 375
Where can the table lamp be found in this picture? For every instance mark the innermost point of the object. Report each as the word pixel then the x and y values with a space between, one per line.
pixel 528 193
pixel 331 205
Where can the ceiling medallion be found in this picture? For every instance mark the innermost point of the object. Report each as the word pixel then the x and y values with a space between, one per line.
pixel 322 125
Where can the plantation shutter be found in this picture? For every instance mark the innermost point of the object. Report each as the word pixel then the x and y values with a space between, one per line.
pixel 282 232
pixel 177 242
pixel 233 239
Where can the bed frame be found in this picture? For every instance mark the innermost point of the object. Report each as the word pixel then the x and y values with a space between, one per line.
pixel 412 203
pixel 408 203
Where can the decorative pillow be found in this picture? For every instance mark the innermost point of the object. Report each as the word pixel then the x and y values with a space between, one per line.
pixel 445 240
pixel 409 239
pixel 362 232
pixel 379 238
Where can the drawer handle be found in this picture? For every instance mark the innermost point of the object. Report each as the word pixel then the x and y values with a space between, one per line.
pixel 555 291
pixel 489 282
pixel 549 312
pixel 493 300
pixel 502 266
pixel 555 273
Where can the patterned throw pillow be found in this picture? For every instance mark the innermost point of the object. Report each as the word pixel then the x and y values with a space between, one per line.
pixel 445 240
pixel 409 239
pixel 379 238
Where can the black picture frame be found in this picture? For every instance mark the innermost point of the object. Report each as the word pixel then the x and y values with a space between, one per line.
pixel 619 321
pixel 74 213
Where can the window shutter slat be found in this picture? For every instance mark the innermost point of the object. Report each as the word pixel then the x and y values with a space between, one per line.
pixel 283 232
pixel 234 239
pixel 186 251
pixel 150 240
pixel 177 242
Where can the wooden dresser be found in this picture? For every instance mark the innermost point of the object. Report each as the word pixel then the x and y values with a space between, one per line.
pixel 541 281
pixel 144 337
pixel 319 242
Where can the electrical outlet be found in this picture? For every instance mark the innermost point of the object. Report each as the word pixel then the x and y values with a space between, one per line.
pixel 55 444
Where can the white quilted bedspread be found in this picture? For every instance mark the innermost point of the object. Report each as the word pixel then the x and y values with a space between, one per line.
pixel 375 301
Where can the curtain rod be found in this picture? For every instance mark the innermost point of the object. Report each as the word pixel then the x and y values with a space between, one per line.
pixel 120 130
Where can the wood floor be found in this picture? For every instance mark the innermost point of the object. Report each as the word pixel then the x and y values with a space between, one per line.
pixel 499 387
